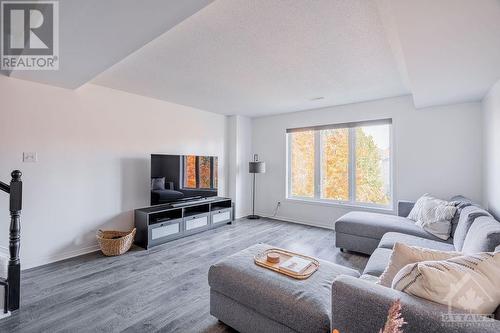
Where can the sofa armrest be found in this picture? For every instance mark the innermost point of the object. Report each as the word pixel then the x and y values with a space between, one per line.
pixel 405 207
pixel 361 306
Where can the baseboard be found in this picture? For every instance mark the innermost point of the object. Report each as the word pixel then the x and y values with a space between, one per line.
pixel 4 315
pixel 239 216
pixel 35 262
pixel 298 221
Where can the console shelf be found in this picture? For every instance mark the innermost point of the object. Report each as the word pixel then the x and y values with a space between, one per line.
pixel 159 224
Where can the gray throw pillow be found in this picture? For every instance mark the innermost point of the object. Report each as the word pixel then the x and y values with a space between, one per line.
pixel 158 184
pixel 454 221
pixel 483 235
pixel 467 217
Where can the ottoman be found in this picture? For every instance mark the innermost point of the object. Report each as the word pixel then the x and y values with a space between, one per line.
pixel 250 298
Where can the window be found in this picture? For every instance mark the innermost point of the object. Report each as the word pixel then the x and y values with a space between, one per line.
pixel 346 163
pixel 199 172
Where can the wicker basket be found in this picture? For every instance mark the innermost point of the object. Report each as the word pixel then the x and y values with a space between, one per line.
pixel 115 243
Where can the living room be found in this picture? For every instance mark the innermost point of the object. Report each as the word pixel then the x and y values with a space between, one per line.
pixel 158 176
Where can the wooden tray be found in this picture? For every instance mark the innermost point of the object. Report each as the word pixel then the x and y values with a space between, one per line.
pixel 261 260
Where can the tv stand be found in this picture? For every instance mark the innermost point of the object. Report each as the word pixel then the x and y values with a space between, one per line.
pixel 162 223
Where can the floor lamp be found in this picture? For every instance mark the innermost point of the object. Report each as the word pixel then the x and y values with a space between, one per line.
pixel 255 167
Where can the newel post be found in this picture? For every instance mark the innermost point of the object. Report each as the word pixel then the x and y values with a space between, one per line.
pixel 14 269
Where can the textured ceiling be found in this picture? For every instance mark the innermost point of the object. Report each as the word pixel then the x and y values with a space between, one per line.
pixel 266 56
pixel 96 34
pixel 263 57
pixel 451 48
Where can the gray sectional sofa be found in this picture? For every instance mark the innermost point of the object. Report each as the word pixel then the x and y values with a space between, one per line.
pixel 251 299
pixel 473 230
pixel 362 231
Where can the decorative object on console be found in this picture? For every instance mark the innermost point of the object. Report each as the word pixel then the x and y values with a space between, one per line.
pixel 115 243
pixel 255 167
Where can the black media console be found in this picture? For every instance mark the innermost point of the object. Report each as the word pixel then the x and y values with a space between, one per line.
pixel 159 224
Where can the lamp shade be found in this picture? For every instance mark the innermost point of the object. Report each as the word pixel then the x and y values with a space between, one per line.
pixel 257 167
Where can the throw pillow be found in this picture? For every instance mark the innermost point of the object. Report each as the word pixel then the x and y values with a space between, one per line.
pixel 467 217
pixel 460 202
pixel 434 215
pixel 403 255
pixel 158 184
pixel 483 235
pixel 469 282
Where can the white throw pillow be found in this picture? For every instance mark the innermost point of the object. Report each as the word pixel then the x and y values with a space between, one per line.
pixel 469 282
pixel 403 255
pixel 434 215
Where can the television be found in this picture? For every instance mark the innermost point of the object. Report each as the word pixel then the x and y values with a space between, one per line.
pixel 182 177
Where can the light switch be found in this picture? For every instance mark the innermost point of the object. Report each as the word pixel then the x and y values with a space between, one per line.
pixel 30 157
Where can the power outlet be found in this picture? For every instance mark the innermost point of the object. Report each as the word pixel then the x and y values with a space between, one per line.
pixel 278 205
pixel 30 157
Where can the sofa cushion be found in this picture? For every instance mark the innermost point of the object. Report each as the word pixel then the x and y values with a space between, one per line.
pixel 467 217
pixel 483 235
pixel 378 262
pixel 461 202
pixel 390 238
pixel 434 215
pixel 374 225
pixel 370 278
pixel 468 282
pixel 302 305
pixel 403 255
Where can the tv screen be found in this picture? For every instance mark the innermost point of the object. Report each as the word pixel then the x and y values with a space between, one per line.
pixel 181 177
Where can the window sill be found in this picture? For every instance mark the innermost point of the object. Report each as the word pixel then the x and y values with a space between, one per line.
pixel 385 209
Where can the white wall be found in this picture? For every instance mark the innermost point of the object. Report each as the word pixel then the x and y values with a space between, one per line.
pixel 93 148
pixel 491 179
pixel 436 150
pixel 239 147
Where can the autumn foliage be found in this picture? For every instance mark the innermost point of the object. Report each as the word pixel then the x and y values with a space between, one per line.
pixel 334 159
pixel 190 171
pixel 302 164
pixel 202 171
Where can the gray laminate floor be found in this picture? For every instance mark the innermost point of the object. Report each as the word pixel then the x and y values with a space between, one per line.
pixel 164 289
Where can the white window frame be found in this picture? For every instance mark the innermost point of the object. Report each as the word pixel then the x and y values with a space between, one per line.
pixel 352 166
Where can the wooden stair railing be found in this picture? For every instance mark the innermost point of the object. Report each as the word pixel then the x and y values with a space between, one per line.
pixel 13 282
